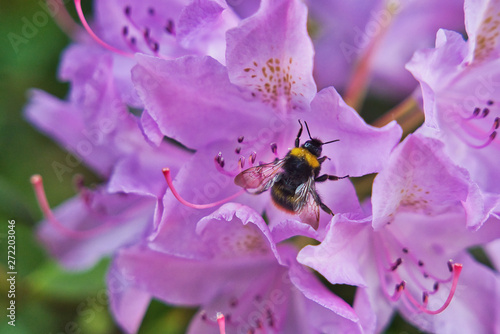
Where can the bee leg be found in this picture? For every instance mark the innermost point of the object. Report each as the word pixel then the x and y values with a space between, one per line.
pixel 322 159
pixel 297 139
pixel 326 209
pixel 325 177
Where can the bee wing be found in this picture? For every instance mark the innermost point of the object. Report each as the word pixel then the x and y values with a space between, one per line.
pixel 306 203
pixel 259 178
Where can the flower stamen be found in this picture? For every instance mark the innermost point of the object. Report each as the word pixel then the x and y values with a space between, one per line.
pixel 78 6
pixel 471 126
pixel 457 269
pixel 222 323
pixel 37 182
pixel 168 178
pixel 408 266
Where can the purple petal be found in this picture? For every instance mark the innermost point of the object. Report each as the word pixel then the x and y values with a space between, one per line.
pixel 141 172
pixel 444 60
pixel 87 66
pixel 362 149
pixel 48 113
pixel 128 305
pixel 223 232
pixel 150 129
pixel 305 281
pixel 100 222
pixel 271 54
pixel 481 25
pixel 493 251
pixel 337 257
pixel 420 178
pixel 212 108
pixel 372 307
pixel 202 27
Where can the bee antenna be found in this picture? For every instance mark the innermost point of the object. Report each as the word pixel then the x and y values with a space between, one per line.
pixel 331 141
pixel 309 133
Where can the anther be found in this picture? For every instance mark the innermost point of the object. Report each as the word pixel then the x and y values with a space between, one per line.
pixel 396 264
pixel 241 162
pixel 435 287
pixel 128 10
pixel 169 28
pixel 490 103
pixel 425 297
pixel 486 112
pixel 219 159
pixel 253 157
pixel 405 250
pixel 401 286
pixel 420 263
pixel 450 265
pixel 151 11
pixel 125 31
pixel 496 123
pixel 274 148
pixel 240 139
pixel 155 47
pixel 168 178
pixel 476 112
pixel 237 150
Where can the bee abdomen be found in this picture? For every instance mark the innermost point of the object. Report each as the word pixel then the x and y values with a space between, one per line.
pixel 282 198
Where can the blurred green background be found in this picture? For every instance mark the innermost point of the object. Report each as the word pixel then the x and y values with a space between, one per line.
pixel 48 298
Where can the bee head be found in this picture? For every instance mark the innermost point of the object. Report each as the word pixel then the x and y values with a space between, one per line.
pixel 313 146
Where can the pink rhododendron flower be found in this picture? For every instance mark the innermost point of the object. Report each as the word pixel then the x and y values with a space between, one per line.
pixel 240 272
pixel 460 85
pixel 410 254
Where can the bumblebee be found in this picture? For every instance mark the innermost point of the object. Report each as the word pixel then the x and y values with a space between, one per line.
pixel 292 179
